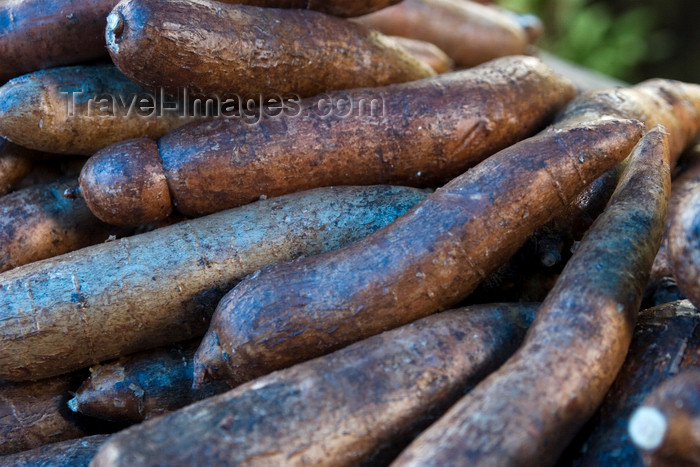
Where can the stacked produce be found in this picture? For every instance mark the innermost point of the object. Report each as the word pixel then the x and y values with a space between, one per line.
pixel 576 345
pixel 347 407
pixel 463 116
pixel 664 343
pixel 236 243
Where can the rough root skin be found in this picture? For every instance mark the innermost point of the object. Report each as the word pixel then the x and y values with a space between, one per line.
pixel 577 344
pixel 58 315
pixel 359 405
pixel 300 310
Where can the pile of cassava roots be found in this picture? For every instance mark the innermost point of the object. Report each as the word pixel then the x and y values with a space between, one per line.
pixel 339 232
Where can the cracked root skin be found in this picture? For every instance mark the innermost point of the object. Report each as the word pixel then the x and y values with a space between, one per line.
pixel 215 48
pixel 357 405
pixel 428 260
pixel 529 410
pixel 161 287
pixel 143 385
pixel 403 141
pixel 15 163
pixel 672 104
pixel 683 231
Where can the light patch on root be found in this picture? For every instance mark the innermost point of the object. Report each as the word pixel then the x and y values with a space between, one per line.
pixel 647 428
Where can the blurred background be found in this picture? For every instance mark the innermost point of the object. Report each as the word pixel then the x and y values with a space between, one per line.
pixel 629 40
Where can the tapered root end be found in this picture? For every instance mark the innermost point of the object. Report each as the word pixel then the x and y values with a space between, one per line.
pixel 208 361
pixel 647 428
pixel 693 93
pixel 23 112
pixel 124 184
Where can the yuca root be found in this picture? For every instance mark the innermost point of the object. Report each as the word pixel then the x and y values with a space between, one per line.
pixel 161 287
pixel 392 135
pixel 468 228
pixel 577 344
pixel 358 405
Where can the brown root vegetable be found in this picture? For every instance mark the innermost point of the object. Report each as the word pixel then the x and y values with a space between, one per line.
pixel 178 44
pixel 357 405
pixel 40 34
pixel 427 52
pixel 161 287
pixel 35 414
pixel 131 173
pixel 666 428
pixel 421 134
pixel 529 410
pixel 15 163
pixel 71 453
pixel 82 109
pixel 428 260
pixel 665 341
pixel 143 385
pixel 683 244
pixel 469 33
pixel 39 222
pixel 672 104
pixel 684 178
pixel 663 287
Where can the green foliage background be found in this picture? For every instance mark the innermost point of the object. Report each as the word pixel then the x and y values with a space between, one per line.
pixel 630 40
